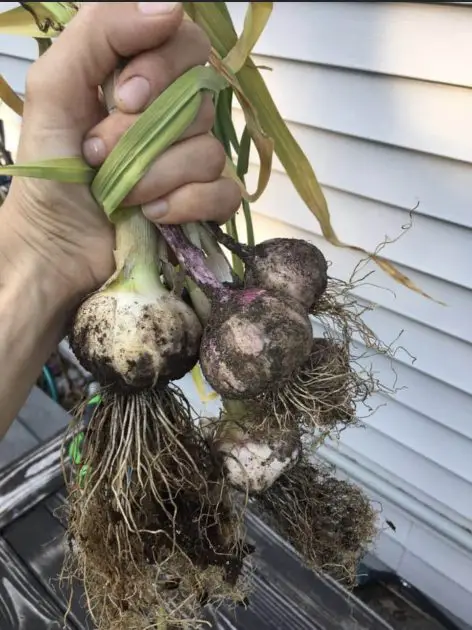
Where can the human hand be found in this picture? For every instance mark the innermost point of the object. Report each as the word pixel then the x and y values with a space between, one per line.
pixel 64 117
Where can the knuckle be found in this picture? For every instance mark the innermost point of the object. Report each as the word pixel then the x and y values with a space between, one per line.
pixel 89 10
pixel 88 6
pixel 155 67
pixel 198 39
pixel 203 42
pixel 112 128
pixel 218 155
pixel 89 15
pixel 230 199
pixel 234 195
pixel 206 113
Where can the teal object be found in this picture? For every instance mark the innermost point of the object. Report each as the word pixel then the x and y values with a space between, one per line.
pixel 50 382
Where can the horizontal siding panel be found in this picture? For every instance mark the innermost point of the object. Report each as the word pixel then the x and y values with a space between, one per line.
pixel 438 355
pixel 366 223
pixel 6 6
pixel 448 444
pixel 16 46
pixel 392 110
pixel 396 485
pixel 388 551
pixel 421 473
pixel 378 37
pixel 20 47
pixel 444 575
pixel 389 545
pixel 448 449
pixel 439 187
pixel 382 290
pixel 385 512
pixel 391 375
pixel 375 37
pixel 14 71
pixel 427 545
pixel 432 398
pixel 411 537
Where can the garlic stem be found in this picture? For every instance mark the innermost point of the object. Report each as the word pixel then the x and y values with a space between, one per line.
pixel 216 259
pixel 136 254
pixel 193 260
pixel 201 304
pixel 192 232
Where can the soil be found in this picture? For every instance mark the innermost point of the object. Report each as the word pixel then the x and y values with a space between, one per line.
pixel 277 338
pixel 292 267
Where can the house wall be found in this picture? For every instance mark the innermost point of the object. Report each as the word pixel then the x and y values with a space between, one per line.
pixel 379 97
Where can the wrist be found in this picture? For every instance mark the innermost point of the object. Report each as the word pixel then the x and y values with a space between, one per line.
pixel 28 258
pixel 35 308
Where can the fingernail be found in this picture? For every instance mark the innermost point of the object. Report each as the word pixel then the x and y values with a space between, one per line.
pixel 94 151
pixel 134 94
pixel 155 210
pixel 156 8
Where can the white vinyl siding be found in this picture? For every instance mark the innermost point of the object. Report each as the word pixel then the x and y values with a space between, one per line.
pixel 379 97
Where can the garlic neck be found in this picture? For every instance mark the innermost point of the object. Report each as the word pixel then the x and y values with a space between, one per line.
pixel 136 254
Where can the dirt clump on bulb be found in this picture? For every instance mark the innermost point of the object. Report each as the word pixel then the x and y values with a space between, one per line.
pixel 330 522
pixel 133 342
pixel 253 451
pixel 292 267
pixel 253 341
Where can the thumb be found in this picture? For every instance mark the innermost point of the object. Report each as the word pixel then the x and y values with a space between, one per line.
pixel 63 83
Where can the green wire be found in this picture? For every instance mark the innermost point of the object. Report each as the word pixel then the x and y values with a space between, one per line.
pixel 51 385
pixel 75 450
pixel 242 169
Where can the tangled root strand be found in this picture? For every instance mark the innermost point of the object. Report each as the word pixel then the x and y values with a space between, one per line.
pixel 330 522
pixel 155 531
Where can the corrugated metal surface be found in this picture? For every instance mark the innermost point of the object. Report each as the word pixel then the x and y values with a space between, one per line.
pixel 379 96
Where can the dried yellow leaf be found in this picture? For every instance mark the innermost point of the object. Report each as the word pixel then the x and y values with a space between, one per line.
pixel 256 19
pixel 37 19
pixel 10 97
pixel 255 98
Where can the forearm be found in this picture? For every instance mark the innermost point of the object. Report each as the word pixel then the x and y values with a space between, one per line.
pixel 33 313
